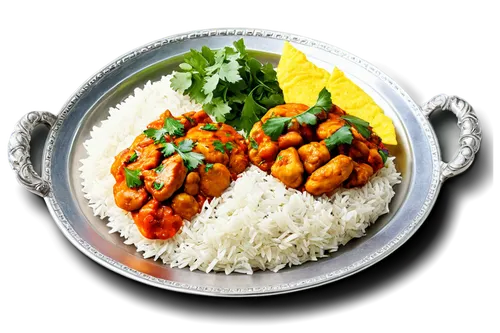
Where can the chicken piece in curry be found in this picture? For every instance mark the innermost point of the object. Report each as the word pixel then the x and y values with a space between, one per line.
pixel 169 171
pixel 336 150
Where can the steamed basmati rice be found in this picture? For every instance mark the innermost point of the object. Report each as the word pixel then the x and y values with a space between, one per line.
pixel 257 223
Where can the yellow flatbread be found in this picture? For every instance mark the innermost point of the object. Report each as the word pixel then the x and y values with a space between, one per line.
pixel 353 100
pixel 301 82
pixel 300 79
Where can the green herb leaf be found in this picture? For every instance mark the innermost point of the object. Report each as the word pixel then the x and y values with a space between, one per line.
pixel 133 158
pixel 192 159
pixel 229 146
pixel 168 149
pixel 231 54
pixel 249 114
pixel 279 158
pixel 218 145
pixel 186 67
pixel 159 168
pixel 361 125
pixel 229 71
pixel 323 103
pixel 210 83
pixel 324 100
pixel 272 100
pixel 208 54
pixel 275 126
pixel 237 98
pixel 307 118
pixel 384 155
pixel 191 120
pixel 217 108
pixel 158 186
pixel 186 145
pixel 239 45
pixel 181 81
pixel 253 143
pixel 209 127
pixel 133 178
pixel 221 80
pixel 156 134
pixel 208 166
pixel 228 134
pixel 269 73
pixel 196 89
pixel 197 61
pixel 341 136
pixel 173 127
pixel 253 66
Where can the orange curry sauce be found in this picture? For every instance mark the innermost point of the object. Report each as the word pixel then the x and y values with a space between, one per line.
pixel 301 159
pixel 167 191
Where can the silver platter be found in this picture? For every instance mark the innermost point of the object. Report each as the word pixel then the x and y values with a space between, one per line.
pixel 418 153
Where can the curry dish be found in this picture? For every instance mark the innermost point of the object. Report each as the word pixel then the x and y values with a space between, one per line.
pixel 301 157
pixel 169 171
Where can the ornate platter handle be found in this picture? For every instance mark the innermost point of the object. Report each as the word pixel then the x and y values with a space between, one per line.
pixel 470 132
pixel 19 151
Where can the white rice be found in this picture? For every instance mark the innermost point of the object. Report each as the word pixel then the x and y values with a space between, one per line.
pixel 256 224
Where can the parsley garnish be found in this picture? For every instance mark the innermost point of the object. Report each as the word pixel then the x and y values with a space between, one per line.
pixel 253 143
pixel 174 127
pixel 158 186
pixel 159 168
pixel 156 134
pixel 275 126
pixel 191 120
pixel 133 177
pixel 184 149
pixel 209 127
pixel 208 166
pixel 171 126
pixel 219 146
pixel 279 158
pixel 360 125
pixel 342 135
pixel 228 134
pixel 232 85
pixel 133 158
pixel 229 146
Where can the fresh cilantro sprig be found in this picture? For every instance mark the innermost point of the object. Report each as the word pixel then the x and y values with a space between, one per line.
pixel 133 178
pixel 362 126
pixel 184 149
pixel 159 168
pixel 275 126
pixel 208 166
pixel 340 136
pixel 232 85
pixel 218 145
pixel 158 185
pixel 171 126
pixel 133 158
pixel 209 127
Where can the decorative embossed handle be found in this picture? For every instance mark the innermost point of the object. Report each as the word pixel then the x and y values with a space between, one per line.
pixel 470 132
pixel 19 151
